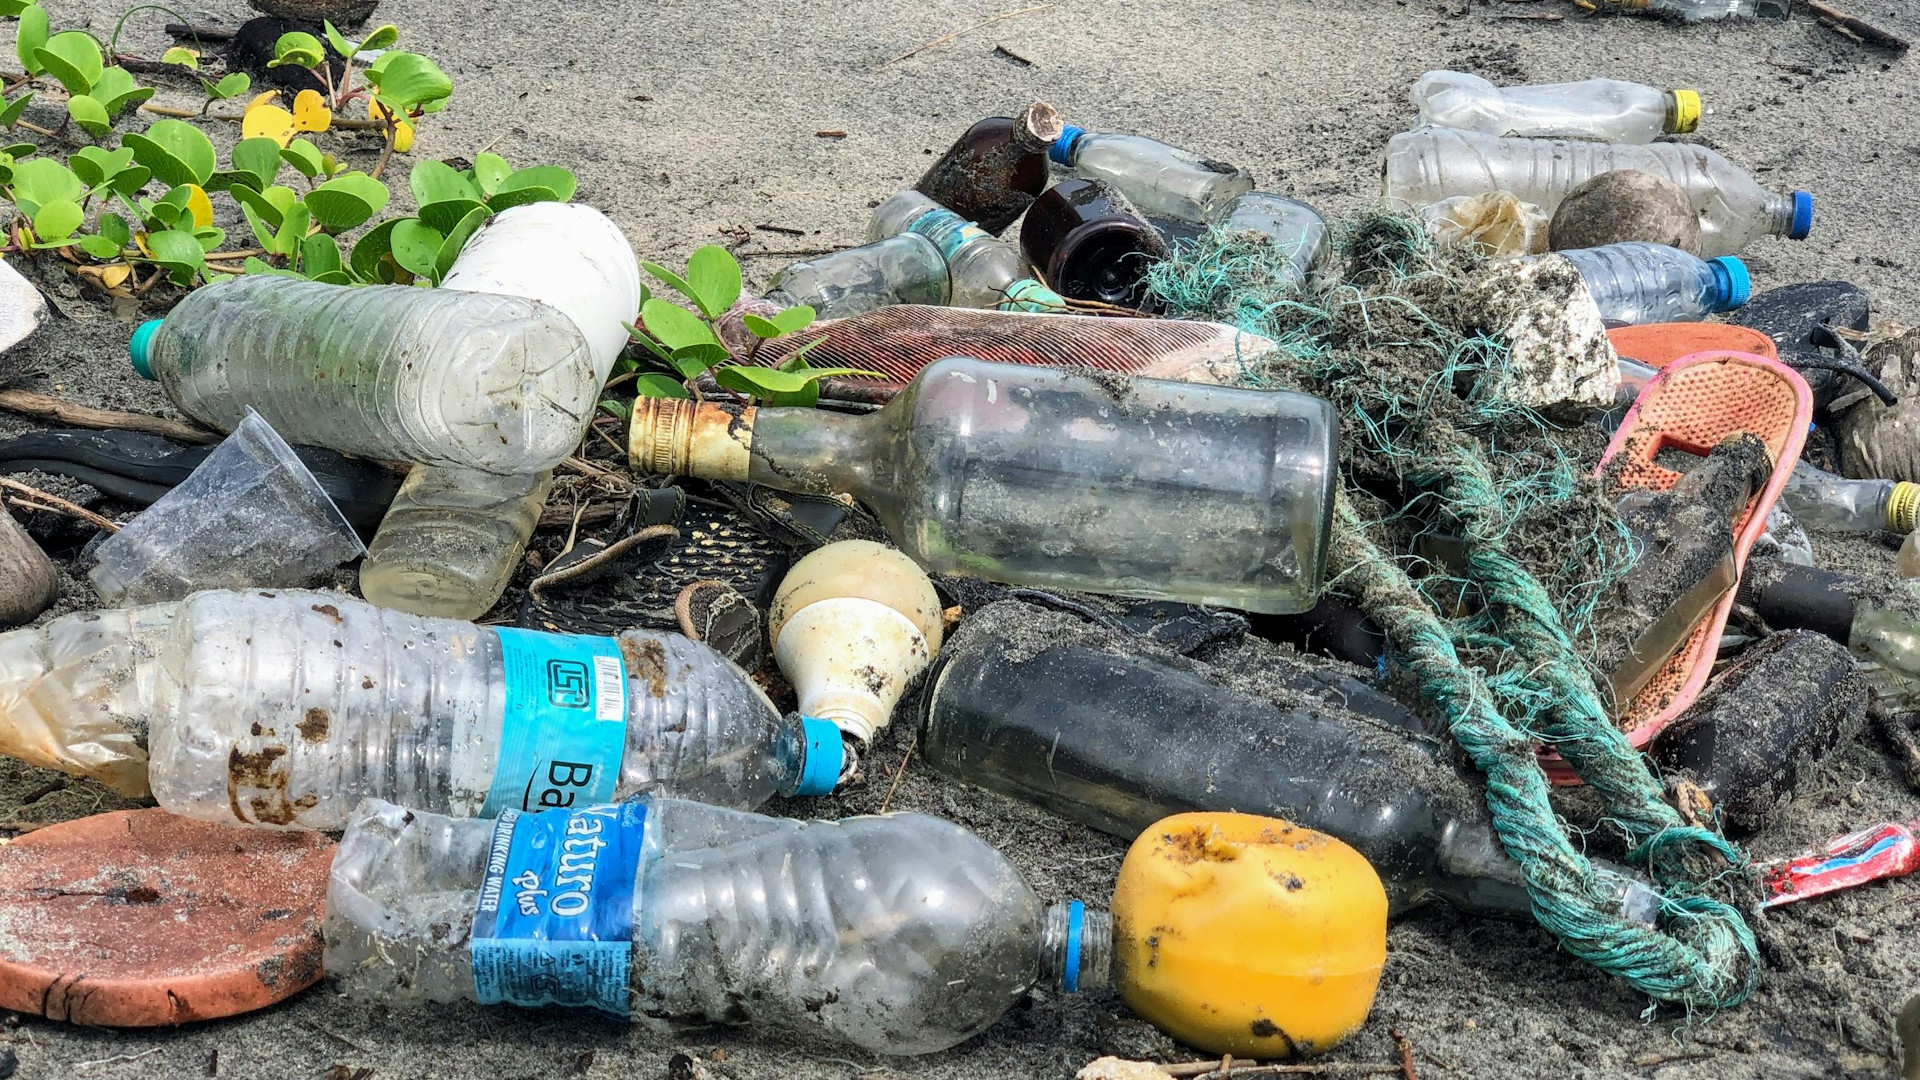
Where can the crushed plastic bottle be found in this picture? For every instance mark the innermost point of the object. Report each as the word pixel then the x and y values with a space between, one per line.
pixel 904 269
pixel 1430 164
pixel 429 376
pixel 1160 180
pixel 986 272
pixel 1605 109
pixel 286 708
pixel 1697 10
pixel 996 168
pixel 1637 282
pixel 1822 501
pixel 1051 477
pixel 901 933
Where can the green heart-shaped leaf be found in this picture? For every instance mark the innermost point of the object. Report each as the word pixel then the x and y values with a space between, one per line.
pixel 382 38
pixel 270 204
pixel 320 254
pixel 72 57
pixel 118 92
pixel 347 200
pixel 305 157
pixel 551 177
pixel 407 81
pixel 258 158
pixel 416 246
pixel 446 216
pixel 293 231
pixel 176 151
pixel 437 181
pixel 714 276
pixel 691 360
pixel 31 37
pixel 339 42
pixel 457 238
pixel 54 222
pixel 794 319
pixel 673 281
pixel 99 247
pixel 90 115
pixel 489 170
pixel 113 227
pixel 369 262
pixel 38 181
pixel 506 199
pixel 16 108
pixel 94 164
pixel 659 386
pixel 232 85
pixel 299 50
pixel 759 327
pixel 180 252
pixel 675 326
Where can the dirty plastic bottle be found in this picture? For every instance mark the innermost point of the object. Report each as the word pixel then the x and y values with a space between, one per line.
pixel 1093 726
pixel 1822 501
pixel 1605 109
pixel 996 168
pixel 987 272
pixel 1637 282
pixel 899 933
pixel 1160 180
pixel 1701 10
pixel 285 708
pixel 1051 477
pixel 904 269
pixel 429 376
pixel 1295 228
pixel 1430 164
pixel 1091 244
pixel 451 541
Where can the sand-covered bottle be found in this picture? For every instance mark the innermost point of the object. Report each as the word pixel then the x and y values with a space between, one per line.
pixel 1609 110
pixel 898 933
pixel 996 168
pixel 1051 477
pixel 903 269
pixel 1429 165
pixel 1295 230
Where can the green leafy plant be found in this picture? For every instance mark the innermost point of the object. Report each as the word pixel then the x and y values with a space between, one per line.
pixel 681 345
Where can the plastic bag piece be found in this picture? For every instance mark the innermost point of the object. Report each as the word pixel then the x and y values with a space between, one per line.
pixel 1495 224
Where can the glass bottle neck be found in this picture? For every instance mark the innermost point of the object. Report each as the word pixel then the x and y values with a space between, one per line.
pixel 815 452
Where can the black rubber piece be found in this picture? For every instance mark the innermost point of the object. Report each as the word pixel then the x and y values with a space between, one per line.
pixel 138 468
pixel 1792 597
pixel 1793 317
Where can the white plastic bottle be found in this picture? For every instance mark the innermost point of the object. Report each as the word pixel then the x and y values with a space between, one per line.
pixel 1701 10
pixel 429 376
pixel 986 271
pixel 1606 109
pixel 1825 502
pixel 1637 282
pixel 453 537
pixel 286 708
pixel 1425 166
pixel 1295 228
pixel 1160 180
pixel 900 933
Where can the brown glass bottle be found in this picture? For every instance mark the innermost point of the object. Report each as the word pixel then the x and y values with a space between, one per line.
pixel 995 169
pixel 1089 243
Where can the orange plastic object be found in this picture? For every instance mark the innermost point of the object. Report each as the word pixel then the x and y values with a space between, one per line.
pixel 139 919
pixel 1659 344
pixel 1693 404
pixel 1246 935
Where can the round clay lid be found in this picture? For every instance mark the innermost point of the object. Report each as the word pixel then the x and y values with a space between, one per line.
pixel 139 918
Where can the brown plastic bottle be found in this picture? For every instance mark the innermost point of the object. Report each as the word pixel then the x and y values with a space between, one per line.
pixel 994 170
pixel 1089 243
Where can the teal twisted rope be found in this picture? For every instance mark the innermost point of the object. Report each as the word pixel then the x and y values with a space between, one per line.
pixel 1706 957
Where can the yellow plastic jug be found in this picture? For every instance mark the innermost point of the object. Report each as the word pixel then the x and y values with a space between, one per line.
pixel 1246 935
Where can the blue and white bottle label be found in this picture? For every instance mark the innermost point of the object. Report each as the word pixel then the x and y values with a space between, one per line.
pixel 554 924
pixel 564 731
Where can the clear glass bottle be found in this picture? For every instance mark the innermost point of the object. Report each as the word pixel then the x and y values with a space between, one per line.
pixel 430 376
pixel 1605 109
pixel 1822 501
pixel 287 707
pixel 1090 244
pixel 1637 282
pixel 1052 477
pixel 1431 164
pixel 451 541
pixel 1160 180
pixel 1295 228
pixel 996 168
pixel 898 933
pixel 987 272
pixel 1701 10
pixel 903 269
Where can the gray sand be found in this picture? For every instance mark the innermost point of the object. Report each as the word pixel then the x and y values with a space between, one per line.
pixel 695 123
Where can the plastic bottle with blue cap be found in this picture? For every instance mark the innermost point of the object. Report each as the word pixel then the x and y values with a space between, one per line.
pixel 986 271
pixel 285 708
pixel 1160 180
pixel 898 933
pixel 1637 282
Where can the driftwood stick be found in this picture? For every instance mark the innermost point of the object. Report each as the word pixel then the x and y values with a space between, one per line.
pixel 60 411
pixel 1857 29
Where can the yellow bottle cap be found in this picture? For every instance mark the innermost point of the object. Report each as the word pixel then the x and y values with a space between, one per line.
pixel 1903 507
pixel 1686 111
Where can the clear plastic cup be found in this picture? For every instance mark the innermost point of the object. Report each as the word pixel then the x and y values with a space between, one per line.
pixel 251 516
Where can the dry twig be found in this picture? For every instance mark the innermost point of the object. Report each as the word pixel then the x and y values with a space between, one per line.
pixel 939 41
pixel 54 504
pixel 44 407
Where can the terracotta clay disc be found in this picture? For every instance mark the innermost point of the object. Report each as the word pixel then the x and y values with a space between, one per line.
pixel 1659 344
pixel 139 918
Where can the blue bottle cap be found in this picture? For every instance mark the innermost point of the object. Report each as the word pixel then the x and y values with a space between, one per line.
pixel 1061 152
pixel 140 349
pixel 821 758
pixel 1076 927
pixel 1730 274
pixel 1802 215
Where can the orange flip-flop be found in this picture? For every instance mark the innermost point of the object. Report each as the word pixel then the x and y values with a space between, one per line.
pixel 139 918
pixel 1694 404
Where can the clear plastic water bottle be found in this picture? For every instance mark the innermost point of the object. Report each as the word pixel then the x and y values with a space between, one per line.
pixel 1430 164
pixel 901 933
pixel 1637 282
pixel 451 540
pixel 1822 501
pixel 286 708
pixel 1606 109
pixel 1701 10
pixel 430 376
pixel 986 271
pixel 1295 228
pixel 1160 180
pixel 903 269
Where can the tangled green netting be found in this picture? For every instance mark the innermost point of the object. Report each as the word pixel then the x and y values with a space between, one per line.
pixel 1495 645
